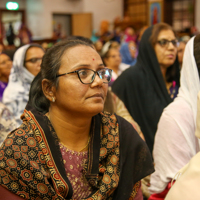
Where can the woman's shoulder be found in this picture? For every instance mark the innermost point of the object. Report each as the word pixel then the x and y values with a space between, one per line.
pixel 18 137
pixel 119 125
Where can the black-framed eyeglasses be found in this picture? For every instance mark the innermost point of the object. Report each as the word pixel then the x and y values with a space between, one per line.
pixel 33 60
pixel 165 43
pixel 87 76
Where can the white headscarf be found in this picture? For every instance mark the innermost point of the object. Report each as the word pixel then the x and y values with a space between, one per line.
pixel 175 142
pixel 15 96
pixel 187 185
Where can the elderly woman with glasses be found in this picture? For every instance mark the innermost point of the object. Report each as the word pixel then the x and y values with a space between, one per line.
pixel 26 65
pixel 67 148
pixel 149 86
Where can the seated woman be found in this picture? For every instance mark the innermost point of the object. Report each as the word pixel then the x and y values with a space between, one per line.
pixel 148 87
pixel 67 148
pixel 5 68
pixel 26 65
pixel 112 59
pixel 175 141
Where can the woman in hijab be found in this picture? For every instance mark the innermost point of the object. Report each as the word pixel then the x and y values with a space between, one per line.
pixel 5 68
pixel 26 65
pixel 175 141
pixel 149 86
pixel 188 178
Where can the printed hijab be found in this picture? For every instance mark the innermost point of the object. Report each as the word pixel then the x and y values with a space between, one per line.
pixel 15 96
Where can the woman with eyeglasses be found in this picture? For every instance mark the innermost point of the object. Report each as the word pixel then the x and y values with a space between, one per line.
pixel 67 148
pixel 175 140
pixel 149 86
pixel 26 65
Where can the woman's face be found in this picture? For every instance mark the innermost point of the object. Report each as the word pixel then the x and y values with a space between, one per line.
pixel 5 65
pixel 165 51
pixel 33 60
pixel 72 96
pixel 114 59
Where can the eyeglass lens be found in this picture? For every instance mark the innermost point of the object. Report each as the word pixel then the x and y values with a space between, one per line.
pixel 165 43
pixel 87 76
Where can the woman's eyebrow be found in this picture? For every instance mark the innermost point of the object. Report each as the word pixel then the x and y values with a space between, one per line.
pixel 86 65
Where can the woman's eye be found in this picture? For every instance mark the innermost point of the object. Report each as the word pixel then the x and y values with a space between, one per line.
pixel 83 73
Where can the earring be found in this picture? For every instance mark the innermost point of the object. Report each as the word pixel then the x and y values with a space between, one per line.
pixel 53 100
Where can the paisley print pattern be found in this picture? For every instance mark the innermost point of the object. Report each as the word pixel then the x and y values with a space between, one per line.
pixel 31 163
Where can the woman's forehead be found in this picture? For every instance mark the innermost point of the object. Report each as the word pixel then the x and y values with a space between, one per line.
pixel 80 54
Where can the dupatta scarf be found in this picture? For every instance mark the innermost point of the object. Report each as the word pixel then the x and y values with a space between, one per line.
pixel 31 164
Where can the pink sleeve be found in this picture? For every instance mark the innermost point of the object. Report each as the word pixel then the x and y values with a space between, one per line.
pixel 139 195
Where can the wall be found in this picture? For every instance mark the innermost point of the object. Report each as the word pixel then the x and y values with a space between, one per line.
pixel 39 12
pixel 103 10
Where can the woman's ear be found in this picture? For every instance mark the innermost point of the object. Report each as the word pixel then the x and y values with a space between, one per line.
pixel 48 90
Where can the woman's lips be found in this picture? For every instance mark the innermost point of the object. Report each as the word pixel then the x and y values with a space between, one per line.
pixel 97 95
pixel 170 56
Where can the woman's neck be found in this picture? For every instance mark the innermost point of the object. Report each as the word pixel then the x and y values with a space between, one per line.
pixel 73 132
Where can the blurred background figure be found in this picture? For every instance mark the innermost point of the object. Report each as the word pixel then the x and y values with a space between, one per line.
pixel 104 33
pixel 26 65
pixel 112 60
pixel 129 35
pixel 128 53
pixel 5 69
pixel 10 35
pixel 98 46
pixel 24 35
